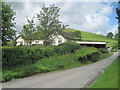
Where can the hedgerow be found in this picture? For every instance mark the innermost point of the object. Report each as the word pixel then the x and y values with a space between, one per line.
pixel 87 53
pixel 25 55
pixel 51 64
pixel 103 50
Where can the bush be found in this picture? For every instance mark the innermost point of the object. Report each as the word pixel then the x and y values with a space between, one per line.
pixel 103 50
pixel 19 55
pixel 86 54
pixel 113 50
pixel 70 47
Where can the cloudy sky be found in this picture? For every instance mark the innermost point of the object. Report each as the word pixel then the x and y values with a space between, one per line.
pixel 95 17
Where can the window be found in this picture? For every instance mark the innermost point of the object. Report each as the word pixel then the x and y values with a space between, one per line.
pixel 36 42
pixel 52 41
pixel 60 41
pixel 20 42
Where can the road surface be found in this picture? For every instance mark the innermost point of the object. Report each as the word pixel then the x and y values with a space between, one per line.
pixel 70 78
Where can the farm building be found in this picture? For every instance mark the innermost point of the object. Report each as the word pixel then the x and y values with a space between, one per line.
pixel 93 44
pixel 60 38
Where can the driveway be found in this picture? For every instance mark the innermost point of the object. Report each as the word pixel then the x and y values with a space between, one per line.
pixel 70 78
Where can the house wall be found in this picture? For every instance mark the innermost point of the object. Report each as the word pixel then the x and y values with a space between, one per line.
pixel 20 40
pixel 37 42
pixel 59 39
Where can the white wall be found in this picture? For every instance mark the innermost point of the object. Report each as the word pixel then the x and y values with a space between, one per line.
pixel 37 42
pixel 57 38
pixel 20 39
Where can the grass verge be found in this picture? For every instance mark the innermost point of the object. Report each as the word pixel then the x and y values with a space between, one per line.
pixel 110 78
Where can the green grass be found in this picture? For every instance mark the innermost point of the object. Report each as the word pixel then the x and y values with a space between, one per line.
pixel 87 36
pixel 46 65
pixel 110 78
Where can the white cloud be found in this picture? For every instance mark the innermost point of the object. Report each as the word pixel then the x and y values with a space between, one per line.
pixel 86 16
pixel 106 10
pixel 90 17
pixel 30 10
pixel 113 29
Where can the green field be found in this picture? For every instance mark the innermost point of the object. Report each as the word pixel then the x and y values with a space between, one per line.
pixel 110 78
pixel 87 36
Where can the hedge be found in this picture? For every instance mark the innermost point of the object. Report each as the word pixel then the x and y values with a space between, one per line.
pixel 26 55
pixel 51 64
pixel 103 50
pixel 87 53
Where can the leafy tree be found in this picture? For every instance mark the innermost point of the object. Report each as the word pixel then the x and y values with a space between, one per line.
pixel 76 34
pixel 116 36
pixel 49 22
pixel 110 35
pixel 118 17
pixel 28 32
pixel 8 33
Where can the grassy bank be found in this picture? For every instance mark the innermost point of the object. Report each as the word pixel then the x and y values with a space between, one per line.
pixel 87 36
pixel 110 78
pixel 49 64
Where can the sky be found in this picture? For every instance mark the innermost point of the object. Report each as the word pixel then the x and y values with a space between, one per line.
pixel 95 17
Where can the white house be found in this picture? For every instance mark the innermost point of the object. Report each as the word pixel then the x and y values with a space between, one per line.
pixel 20 40
pixel 60 38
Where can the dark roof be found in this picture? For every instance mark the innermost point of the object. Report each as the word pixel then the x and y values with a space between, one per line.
pixel 25 38
pixel 66 35
pixel 18 37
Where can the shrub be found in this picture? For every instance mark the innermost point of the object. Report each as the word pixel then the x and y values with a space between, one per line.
pixel 113 50
pixel 18 55
pixel 103 50
pixel 48 52
pixel 87 53
pixel 70 47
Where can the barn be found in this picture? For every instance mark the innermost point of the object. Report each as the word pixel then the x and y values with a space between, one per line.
pixel 93 44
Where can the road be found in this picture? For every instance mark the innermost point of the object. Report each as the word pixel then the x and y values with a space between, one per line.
pixel 69 78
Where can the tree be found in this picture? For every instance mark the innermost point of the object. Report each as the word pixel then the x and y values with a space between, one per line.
pixel 118 17
pixel 116 36
pixel 49 22
pixel 28 32
pixel 110 35
pixel 76 34
pixel 8 33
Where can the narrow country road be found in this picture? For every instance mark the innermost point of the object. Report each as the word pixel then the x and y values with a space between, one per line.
pixel 70 78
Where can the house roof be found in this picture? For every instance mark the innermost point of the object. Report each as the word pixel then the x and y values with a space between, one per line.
pixel 66 35
pixel 25 38
pixel 18 37
pixel 91 42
